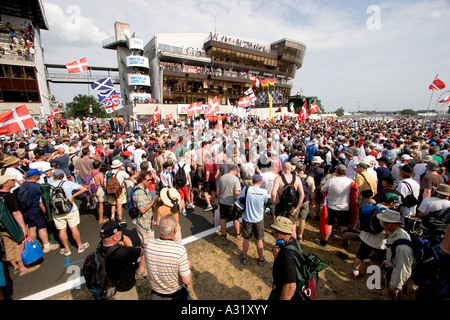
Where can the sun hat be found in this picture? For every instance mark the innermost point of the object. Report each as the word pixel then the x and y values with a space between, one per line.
pixel 110 228
pixel 32 146
pixel 20 152
pixel 72 150
pixel 427 158
pixel 317 159
pixel 169 196
pixel 443 188
pixel 3 179
pixel 282 224
pixel 433 165
pixel 116 164
pixel 363 165
pixel 390 216
pixel 10 160
pixel 408 170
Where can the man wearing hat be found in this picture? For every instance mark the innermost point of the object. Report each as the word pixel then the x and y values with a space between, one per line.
pixel 11 168
pixel 366 182
pixel 406 187
pixel 283 271
pixel 435 203
pixel 29 196
pixel 404 159
pixel 253 218
pixel 122 261
pixel 318 174
pixel 382 171
pixel 420 169
pixel 399 259
pixel 431 180
pixel 116 202
pixel 350 163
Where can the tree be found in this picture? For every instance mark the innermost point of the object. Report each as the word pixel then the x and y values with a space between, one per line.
pixel 79 107
pixel 408 112
pixel 340 112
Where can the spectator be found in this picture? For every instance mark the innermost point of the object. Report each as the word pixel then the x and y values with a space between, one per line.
pixel 117 202
pixel 228 189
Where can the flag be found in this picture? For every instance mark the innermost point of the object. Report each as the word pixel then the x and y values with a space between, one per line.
pixel 303 114
pixel 219 125
pixel 55 113
pixel 278 110
pixel 264 83
pixel 194 109
pixel 155 116
pixel 270 106
pixel 77 66
pixel 16 120
pixel 256 83
pixel 437 84
pixel 314 108
pixel 169 116
pixel 212 108
pixel 113 100
pixel 244 102
pixel 249 91
pixel 445 99
pixel 270 81
pixel 113 108
pixel 103 84
pixel 106 94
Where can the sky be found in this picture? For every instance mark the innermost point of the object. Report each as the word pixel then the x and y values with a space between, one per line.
pixel 364 55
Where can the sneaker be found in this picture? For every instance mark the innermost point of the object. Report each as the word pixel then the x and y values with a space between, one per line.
pixel 65 252
pixel 262 262
pixel 208 208
pixel 320 242
pixel 184 213
pixel 357 276
pixel 51 247
pixel 85 245
pixel 190 206
pixel 299 239
pixel 243 260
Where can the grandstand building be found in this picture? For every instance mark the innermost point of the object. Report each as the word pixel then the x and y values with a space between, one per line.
pixel 175 70
pixel 22 69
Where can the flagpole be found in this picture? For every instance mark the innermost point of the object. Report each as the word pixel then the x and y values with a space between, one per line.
pixel 429 103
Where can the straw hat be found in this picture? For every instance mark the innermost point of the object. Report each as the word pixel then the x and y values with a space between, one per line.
pixel 317 159
pixel 390 216
pixel 116 164
pixel 72 150
pixel 10 160
pixel 20 152
pixel 443 188
pixel 169 196
pixel 3 179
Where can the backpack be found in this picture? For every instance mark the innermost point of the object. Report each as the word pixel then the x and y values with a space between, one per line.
pixel 307 268
pixel 131 208
pixel 95 275
pixel 58 200
pixel 410 200
pixel 434 225
pixel 180 176
pixel 10 224
pixel 89 183
pixel 288 198
pixel 25 201
pixel 113 186
pixel 426 266
pixel 306 189
pixel 368 220
pixel 239 204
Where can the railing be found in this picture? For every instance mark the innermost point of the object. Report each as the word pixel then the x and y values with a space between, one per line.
pixel 240 43
pixel 55 75
pixel 15 56
pixel 114 39
pixel 186 51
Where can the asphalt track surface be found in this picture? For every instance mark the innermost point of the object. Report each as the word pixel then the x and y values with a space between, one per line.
pixel 59 274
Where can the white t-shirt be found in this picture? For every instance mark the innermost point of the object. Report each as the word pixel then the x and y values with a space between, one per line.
pixel 187 170
pixel 432 204
pixel 137 158
pixel 338 193
pixel 404 190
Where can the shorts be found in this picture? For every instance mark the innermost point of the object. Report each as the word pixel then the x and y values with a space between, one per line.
pixel 100 195
pixel 318 196
pixel 72 219
pixel 343 217
pixel 144 234
pixel 304 210
pixel 209 186
pixel 200 174
pixel 35 219
pixel 365 250
pixel 184 192
pixel 227 212
pixel 121 199
pixel 12 248
pixel 250 229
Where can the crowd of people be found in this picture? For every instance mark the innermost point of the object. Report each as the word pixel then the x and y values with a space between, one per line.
pixel 20 43
pixel 170 168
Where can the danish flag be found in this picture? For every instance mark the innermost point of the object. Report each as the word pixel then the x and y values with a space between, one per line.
pixel 303 114
pixel 212 108
pixel 194 109
pixel 77 66
pixel 219 125
pixel 314 108
pixel 55 114
pixel 16 120
pixel 155 116
pixel 445 99
pixel 437 84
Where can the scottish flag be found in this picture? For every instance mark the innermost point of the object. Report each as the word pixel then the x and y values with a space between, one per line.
pixel 106 94
pixel 103 84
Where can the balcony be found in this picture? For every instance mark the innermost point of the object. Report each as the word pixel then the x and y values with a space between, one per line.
pixel 111 43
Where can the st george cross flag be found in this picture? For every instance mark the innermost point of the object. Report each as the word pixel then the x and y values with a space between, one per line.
pixel 437 84
pixel 106 94
pixel 445 99
pixel 113 100
pixel 249 91
pixel 113 108
pixel 314 107
pixel 103 84
pixel 77 66
pixel 16 120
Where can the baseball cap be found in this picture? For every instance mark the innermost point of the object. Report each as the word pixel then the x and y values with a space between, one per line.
pixel 58 172
pixel 406 157
pixel 33 172
pixel 258 177
pixel 110 228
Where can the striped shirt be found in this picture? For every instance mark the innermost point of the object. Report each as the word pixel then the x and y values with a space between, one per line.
pixel 166 263
pixel 166 179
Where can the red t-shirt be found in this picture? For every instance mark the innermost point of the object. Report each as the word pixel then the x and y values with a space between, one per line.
pixel 212 168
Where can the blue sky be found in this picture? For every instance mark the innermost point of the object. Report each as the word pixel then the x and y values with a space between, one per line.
pixel 384 57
